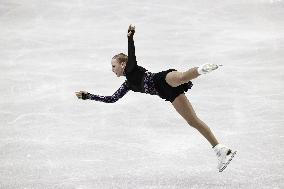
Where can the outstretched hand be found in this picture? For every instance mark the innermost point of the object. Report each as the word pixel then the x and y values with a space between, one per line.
pixel 131 30
pixel 81 94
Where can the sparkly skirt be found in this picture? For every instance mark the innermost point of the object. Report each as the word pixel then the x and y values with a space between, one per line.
pixel 164 90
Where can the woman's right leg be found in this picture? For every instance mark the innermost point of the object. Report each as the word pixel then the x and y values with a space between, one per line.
pixel 185 109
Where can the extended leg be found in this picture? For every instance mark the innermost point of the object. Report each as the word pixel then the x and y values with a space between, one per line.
pixel 176 78
pixel 185 109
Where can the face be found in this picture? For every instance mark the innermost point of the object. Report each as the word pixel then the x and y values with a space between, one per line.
pixel 117 68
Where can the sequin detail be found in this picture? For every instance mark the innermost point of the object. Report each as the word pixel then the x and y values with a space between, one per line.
pixel 149 86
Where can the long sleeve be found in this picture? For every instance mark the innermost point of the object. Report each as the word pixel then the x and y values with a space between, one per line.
pixel 111 99
pixel 132 63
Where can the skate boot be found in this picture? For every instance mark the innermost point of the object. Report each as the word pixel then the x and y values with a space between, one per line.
pixel 224 155
pixel 206 68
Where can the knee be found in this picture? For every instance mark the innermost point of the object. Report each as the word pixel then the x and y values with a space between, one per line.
pixel 182 77
pixel 199 125
pixel 194 122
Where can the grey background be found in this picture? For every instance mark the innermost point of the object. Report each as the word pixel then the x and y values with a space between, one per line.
pixel 50 49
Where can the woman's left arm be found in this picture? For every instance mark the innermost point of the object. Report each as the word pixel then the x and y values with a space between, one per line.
pixel 132 63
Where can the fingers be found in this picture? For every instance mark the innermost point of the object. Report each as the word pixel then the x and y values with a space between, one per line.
pixel 131 30
pixel 80 94
pixel 131 27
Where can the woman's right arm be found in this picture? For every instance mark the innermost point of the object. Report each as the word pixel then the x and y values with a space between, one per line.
pixel 123 89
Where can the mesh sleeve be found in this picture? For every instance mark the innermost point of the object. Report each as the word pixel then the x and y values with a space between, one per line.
pixel 123 89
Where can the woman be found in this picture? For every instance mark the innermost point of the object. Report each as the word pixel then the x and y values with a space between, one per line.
pixel 169 85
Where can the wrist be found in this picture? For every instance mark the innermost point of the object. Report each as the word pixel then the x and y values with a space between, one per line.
pixel 85 96
pixel 130 33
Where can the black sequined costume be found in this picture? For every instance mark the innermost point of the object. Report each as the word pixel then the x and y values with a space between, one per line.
pixel 138 79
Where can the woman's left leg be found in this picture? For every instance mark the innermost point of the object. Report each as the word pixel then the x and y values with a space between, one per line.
pixel 176 78
pixel 185 109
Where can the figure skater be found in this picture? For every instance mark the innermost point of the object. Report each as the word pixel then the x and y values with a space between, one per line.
pixel 169 85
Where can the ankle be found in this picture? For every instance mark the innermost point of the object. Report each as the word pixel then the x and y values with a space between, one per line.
pixel 217 147
pixel 200 71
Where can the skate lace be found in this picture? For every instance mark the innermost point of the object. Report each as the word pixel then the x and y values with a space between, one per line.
pixel 219 155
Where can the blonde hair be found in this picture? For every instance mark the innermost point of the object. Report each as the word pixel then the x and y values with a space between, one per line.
pixel 121 57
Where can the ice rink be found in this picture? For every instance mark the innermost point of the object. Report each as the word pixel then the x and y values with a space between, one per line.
pixel 51 140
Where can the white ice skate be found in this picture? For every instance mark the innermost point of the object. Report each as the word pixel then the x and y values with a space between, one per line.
pixel 206 68
pixel 224 155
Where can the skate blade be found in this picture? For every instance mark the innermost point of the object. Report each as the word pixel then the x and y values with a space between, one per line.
pixel 229 161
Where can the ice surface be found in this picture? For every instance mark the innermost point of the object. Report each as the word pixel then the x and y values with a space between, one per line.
pixel 50 49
